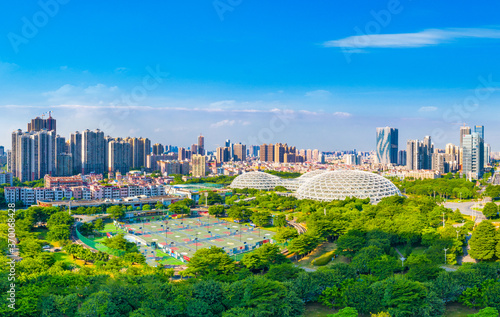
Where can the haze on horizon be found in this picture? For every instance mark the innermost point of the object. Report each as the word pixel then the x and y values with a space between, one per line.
pixel 321 75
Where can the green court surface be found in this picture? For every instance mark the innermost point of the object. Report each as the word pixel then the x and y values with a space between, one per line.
pixel 181 238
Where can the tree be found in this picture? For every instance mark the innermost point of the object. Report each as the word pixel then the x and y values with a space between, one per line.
pixel 483 242
pixel 285 234
pixel 346 312
pixel 350 243
pixel 59 233
pixel 213 261
pixel 216 210
pixel 179 208
pixel 261 219
pixel 60 218
pixel 283 272
pixel 263 257
pixel 146 207
pixel 490 210
pixel 116 212
pixel 159 206
pixel 214 198
pixel 304 243
pixel 486 312
pixel 280 221
pixel 118 242
pixel 99 224
pixel 30 248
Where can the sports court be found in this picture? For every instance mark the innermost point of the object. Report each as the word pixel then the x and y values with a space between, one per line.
pixel 181 238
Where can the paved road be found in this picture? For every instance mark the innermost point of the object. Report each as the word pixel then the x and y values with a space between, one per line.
pixel 466 209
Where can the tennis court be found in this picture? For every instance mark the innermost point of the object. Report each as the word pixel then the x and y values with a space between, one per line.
pixel 181 238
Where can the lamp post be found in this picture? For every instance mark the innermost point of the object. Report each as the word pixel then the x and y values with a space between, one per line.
pixel 206 199
pixel 403 259
pixel 443 219
pixel 196 242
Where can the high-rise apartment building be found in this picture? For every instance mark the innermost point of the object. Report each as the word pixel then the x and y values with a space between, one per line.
pixel 93 152
pixel 387 145
pixel 267 153
pixel 64 165
pixel 198 163
pixel 2 151
pixel 119 156
pixel 223 154
pixel 473 156
pixel 240 152
pixel 181 154
pixel 158 149
pixel 141 148
pixel 33 154
pixel 279 152
pixel 75 148
pixel 39 124
pixel 194 149
pixel 402 158
pixel 479 129
pixel 419 154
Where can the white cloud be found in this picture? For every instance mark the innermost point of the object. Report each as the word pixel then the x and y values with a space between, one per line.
pixel 427 109
pixel 223 123
pixel 318 93
pixel 99 94
pixel 343 115
pixel 223 103
pixel 429 37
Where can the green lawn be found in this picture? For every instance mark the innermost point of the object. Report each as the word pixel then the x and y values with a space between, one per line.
pixel 318 252
pixel 318 310
pixel 42 233
pixel 458 310
pixel 64 257
pixel 168 260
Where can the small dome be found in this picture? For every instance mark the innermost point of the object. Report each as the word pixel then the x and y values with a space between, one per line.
pixel 256 180
pixel 338 185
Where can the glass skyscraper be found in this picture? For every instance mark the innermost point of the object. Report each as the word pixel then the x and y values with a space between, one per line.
pixel 387 145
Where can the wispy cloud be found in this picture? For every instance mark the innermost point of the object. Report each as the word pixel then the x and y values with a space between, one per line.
pixel 427 109
pixel 223 123
pixel 343 115
pixel 429 37
pixel 318 93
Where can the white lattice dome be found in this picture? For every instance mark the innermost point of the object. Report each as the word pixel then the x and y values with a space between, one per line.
pixel 256 180
pixel 294 183
pixel 338 185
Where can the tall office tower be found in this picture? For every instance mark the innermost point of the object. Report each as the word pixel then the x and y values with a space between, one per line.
pixel 227 143
pixel 254 150
pixel 75 148
pixel 222 154
pixel 194 149
pixel 2 151
pixel 201 145
pixel 158 149
pixel 64 165
pixel 387 145
pixel 427 151
pixel 279 152
pixel 181 154
pixel 463 132
pixel 308 155
pixel 198 163
pixel 402 158
pixel 479 129
pixel 240 152
pixel 39 124
pixel 473 152
pixel 33 154
pixel 487 155
pixel 93 152
pixel 119 156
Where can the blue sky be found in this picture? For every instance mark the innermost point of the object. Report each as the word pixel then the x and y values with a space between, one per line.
pixel 321 74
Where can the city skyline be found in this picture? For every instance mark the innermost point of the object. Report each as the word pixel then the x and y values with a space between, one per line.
pixel 429 71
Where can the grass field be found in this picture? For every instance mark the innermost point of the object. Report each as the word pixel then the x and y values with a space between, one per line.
pixel 306 262
pixel 453 310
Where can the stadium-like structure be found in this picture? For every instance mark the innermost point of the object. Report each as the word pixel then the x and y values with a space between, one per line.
pixel 324 185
